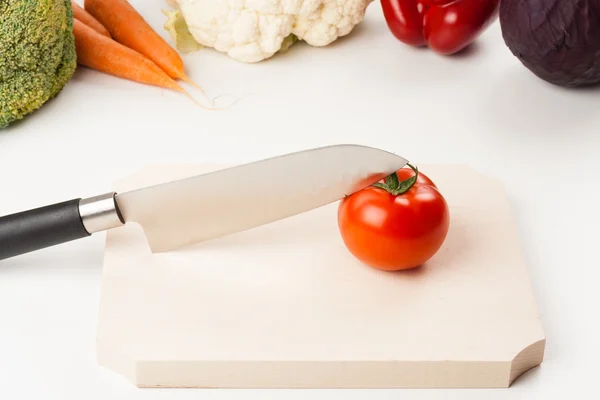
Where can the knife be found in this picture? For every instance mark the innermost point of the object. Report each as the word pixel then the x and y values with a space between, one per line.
pixel 206 206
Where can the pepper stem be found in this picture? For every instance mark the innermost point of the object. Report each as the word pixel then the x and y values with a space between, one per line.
pixel 394 186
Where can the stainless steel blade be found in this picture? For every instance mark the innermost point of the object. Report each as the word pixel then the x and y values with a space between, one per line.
pixel 231 200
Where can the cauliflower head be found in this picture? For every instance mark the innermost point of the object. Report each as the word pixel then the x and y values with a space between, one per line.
pixel 37 54
pixel 253 30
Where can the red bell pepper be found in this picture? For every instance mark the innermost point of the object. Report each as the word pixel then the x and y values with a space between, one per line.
pixel 445 26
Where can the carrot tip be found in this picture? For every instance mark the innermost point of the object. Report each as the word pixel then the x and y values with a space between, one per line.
pixel 196 102
pixel 185 78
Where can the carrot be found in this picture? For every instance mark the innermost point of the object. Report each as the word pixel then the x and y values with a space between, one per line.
pixel 87 19
pixel 98 52
pixel 129 28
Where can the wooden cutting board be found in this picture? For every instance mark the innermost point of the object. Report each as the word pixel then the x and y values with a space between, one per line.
pixel 286 305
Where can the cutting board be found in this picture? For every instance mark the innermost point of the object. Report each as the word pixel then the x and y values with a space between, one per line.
pixel 286 305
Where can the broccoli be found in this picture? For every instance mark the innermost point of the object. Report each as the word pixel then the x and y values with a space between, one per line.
pixel 37 54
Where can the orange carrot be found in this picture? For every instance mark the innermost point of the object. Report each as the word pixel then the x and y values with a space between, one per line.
pixel 130 29
pixel 87 19
pixel 98 52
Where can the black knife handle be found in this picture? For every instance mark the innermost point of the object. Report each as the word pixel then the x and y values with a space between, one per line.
pixel 39 228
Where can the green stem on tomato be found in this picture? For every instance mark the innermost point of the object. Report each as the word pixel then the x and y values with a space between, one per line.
pixel 395 186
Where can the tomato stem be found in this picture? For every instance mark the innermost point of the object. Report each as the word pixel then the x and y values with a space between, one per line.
pixel 394 186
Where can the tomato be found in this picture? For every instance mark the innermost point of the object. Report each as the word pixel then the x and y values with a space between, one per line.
pixel 445 26
pixel 396 224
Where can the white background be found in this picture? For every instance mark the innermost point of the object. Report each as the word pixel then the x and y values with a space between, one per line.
pixel 482 108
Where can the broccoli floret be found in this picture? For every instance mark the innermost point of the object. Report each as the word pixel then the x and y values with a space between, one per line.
pixel 37 54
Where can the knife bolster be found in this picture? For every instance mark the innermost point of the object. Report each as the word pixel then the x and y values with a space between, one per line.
pixel 100 213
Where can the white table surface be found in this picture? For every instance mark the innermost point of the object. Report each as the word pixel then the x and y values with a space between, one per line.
pixel 482 108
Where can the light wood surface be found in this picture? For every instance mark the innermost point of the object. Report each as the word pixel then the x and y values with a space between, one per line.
pixel 285 305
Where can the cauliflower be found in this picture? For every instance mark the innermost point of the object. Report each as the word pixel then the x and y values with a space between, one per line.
pixel 37 54
pixel 253 30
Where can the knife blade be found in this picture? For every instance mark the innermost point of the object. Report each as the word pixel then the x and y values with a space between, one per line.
pixel 207 206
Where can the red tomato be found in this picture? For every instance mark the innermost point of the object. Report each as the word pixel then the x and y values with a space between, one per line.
pixel 391 226
pixel 445 26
